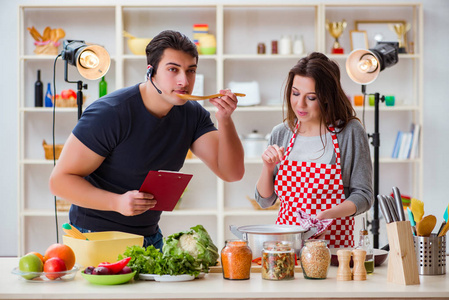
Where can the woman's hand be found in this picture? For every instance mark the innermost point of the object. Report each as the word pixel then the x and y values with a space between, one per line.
pixel 272 156
pixel 134 203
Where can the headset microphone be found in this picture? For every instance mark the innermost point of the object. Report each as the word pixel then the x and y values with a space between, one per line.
pixel 149 75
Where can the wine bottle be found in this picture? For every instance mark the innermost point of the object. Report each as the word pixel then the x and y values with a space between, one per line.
pixel 48 96
pixel 103 87
pixel 38 91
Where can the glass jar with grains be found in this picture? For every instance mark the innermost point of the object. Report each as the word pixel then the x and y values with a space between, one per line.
pixel 315 259
pixel 236 259
pixel 278 260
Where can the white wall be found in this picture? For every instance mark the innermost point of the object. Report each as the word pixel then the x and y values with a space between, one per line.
pixel 436 107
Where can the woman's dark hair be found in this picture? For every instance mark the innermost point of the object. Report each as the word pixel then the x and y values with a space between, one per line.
pixel 335 107
pixel 168 39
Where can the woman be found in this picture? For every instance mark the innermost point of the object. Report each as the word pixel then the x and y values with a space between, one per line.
pixel 318 160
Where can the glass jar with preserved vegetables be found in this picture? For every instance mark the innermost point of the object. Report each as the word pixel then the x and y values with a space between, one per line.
pixel 315 259
pixel 278 260
pixel 236 259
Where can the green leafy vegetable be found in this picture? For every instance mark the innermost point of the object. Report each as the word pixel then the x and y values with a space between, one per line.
pixel 196 242
pixel 146 261
pixel 187 252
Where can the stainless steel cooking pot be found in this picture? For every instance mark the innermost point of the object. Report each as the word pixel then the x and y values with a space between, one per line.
pixel 256 235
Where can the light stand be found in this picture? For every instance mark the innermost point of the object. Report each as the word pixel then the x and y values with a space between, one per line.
pixel 375 141
pixel 91 61
pixel 79 93
pixel 363 66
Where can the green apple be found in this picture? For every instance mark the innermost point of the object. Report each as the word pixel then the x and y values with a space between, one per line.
pixel 30 263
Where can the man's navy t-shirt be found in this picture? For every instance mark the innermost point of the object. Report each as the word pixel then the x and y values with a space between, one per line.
pixel 133 142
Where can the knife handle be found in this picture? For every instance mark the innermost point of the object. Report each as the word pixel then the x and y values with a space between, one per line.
pixel 384 209
pixel 400 208
pixel 392 208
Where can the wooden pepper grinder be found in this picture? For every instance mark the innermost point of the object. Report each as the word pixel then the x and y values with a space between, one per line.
pixel 359 271
pixel 344 270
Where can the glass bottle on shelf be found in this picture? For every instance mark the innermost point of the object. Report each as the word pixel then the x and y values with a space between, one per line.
pixel 103 87
pixel 298 45
pixel 48 96
pixel 38 91
pixel 364 244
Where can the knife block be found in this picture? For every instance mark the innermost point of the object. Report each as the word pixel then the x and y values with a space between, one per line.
pixel 402 262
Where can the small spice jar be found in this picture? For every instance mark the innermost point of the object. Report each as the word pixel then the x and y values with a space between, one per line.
pixel 315 259
pixel 261 48
pixel 274 47
pixel 278 260
pixel 236 259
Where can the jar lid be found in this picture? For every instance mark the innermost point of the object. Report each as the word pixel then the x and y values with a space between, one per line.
pixel 316 243
pixel 277 246
pixel 236 243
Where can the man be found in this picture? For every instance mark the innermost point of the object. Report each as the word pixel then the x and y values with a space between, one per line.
pixel 123 135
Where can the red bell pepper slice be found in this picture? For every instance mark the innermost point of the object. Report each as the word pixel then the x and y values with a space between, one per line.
pixel 116 267
pixel 257 260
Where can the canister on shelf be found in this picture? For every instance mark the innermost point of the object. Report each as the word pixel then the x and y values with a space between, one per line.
pixel 274 47
pixel 285 45
pixel 261 48
pixel 278 260
pixel 236 259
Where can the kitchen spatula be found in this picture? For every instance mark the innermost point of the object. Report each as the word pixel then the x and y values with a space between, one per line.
pixel 444 230
pixel 426 225
pixel 445 216
pixel 417 208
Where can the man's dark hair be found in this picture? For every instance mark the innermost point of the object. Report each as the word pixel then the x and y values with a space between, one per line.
pixel 168 39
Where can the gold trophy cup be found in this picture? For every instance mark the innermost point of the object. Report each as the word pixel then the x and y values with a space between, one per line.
pixel 400 29
pixel 336 29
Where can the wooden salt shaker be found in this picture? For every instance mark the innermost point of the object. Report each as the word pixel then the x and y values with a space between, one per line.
pixel 344 271
pixel 359 271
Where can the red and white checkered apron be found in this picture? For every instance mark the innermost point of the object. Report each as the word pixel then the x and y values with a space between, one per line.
pixel 313 187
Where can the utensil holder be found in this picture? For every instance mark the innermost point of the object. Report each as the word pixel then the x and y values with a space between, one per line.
pixel 431 254
pixel 402 264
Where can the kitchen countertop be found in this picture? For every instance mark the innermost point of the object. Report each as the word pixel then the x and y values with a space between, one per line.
pixel 214 286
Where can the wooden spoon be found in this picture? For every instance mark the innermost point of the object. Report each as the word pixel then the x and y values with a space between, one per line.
pixel 427 224
pixel 195 98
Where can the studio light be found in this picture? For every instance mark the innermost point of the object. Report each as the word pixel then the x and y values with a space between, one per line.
pixel 91 61
pixel 363 66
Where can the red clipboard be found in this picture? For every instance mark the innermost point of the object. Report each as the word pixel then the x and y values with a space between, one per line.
pixel 166 186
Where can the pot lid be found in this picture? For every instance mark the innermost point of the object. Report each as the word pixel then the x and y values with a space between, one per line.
pixel 271 229
pixel 254 136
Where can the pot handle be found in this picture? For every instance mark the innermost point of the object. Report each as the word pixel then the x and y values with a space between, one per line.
pixel 309 233
pixel 234 229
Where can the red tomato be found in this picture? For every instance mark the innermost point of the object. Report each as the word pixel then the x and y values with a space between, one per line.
pixel 54 264
pixel 67 94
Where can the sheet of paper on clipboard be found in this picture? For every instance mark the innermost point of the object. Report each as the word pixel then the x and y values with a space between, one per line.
pixel 166 186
